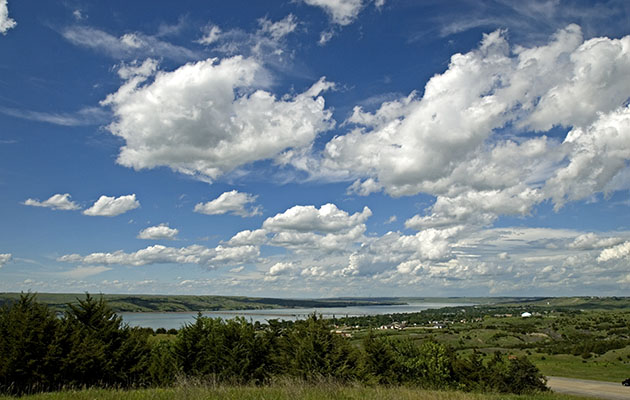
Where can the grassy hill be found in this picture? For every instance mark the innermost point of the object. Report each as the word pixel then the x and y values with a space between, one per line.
pixel 192 303
pixel 166 303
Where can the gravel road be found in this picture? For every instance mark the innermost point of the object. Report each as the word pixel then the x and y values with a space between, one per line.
pixel 595 389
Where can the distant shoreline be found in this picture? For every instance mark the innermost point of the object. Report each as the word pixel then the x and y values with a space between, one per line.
pixel 129 303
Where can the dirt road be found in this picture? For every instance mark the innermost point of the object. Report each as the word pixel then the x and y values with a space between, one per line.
pixel 595 389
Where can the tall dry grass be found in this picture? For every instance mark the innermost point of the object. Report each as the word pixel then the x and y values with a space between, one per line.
pixel 281 390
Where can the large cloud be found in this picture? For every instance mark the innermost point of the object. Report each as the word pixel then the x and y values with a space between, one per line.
pixel 395 250
pixel 468 139
pixel 207 118
pixel 233 202
pixel 107 206
pixel 56 202
pixel 6 23
pixel 309 230
pixel 598 155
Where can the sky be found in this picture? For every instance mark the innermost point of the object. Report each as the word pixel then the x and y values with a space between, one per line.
pixel 315 148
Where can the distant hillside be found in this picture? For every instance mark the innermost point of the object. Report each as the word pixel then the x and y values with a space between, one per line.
pixel 578 302
pixel 167 303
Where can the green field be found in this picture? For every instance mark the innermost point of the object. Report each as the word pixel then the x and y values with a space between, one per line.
pixel 577 337
pixel 297 391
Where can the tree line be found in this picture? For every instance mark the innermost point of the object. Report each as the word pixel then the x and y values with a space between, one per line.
pixel 90 346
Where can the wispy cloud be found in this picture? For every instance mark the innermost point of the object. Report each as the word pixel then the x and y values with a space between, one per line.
pixel 531 20
pixel 85 116
pixel 81 272
pixel 128 46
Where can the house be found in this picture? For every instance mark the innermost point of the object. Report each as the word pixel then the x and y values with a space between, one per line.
pixel 526 314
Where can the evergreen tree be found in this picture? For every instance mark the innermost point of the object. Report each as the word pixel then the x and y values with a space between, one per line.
pixel 380 364
pixel 97 349
pixel 311 351
pixel 27 329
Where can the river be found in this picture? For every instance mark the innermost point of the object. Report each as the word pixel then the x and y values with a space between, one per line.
pixel 175 320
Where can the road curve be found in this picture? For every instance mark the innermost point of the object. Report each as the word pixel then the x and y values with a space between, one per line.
pixel 583 387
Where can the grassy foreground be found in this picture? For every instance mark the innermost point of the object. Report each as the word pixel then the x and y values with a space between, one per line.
pixel 284 392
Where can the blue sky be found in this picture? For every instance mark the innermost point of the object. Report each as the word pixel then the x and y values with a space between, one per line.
pixel 315 148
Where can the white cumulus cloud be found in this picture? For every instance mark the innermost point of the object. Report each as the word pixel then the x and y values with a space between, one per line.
pixel 281 268
pixel 463 141
pixel 56 202
pixel 247 237
pixel 159 232
pixel 208 118
pixel 616 252
pixel 233 202
pixel 107 206
pixel 589 241
pixel 328 218
pixel 308 229
pixel 6 23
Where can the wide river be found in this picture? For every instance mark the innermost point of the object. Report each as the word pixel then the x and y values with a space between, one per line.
pixel 175 320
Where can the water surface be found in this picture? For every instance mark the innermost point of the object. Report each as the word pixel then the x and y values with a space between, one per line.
pixel 175 320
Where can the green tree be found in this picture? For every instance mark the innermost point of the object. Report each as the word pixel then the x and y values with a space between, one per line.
pixel 380 363
pixel 27 331
pixel 97 349
pixel 162 368
pixel 309 350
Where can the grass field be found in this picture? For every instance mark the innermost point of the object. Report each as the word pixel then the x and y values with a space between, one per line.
pixel 324 391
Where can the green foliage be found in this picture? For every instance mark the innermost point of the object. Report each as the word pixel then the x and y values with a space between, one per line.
pixel 162 367
pixel 514 375
pixel 223 350
pixel 309 350
pixel 89 346
pixel 95 348
pixel 380 364
pixel 27 331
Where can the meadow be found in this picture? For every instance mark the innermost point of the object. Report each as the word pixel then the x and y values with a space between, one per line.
pixel 284 391
pixel 578 337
